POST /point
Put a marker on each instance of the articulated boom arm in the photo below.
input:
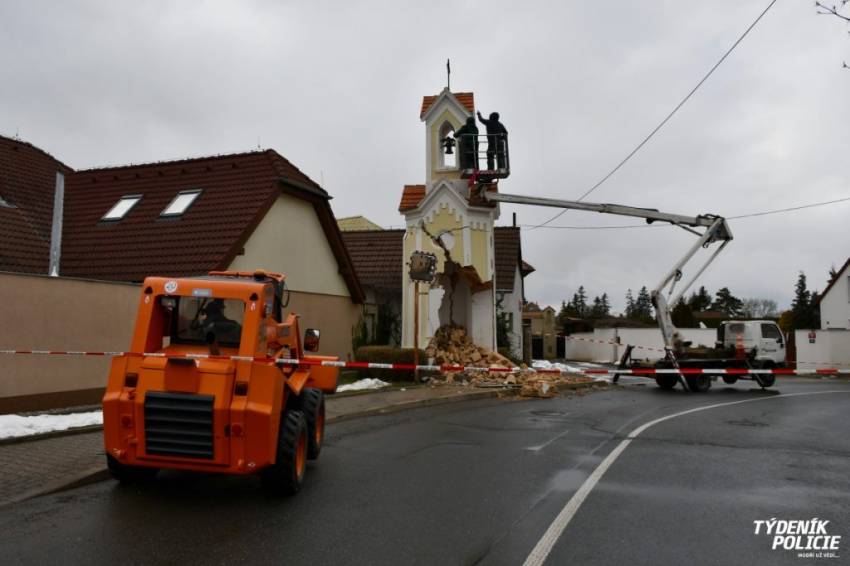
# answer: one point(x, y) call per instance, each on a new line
point(715, 230)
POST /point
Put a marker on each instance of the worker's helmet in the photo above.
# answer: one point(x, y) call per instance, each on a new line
point(494, 115)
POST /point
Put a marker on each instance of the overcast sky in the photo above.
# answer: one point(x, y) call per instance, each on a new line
point(336, 88)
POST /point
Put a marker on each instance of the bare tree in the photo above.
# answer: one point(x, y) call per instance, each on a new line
point(760, 308)
point(836, 11)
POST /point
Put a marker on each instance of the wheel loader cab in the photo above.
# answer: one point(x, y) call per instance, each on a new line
point(180, 400)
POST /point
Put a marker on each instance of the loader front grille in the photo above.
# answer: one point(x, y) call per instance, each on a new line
point(179, 424)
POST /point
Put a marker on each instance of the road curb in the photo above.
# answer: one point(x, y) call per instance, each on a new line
point(52, 434)
point(101, 473)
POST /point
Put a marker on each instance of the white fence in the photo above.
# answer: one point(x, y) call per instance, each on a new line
point(579, 347)
point(822, 348)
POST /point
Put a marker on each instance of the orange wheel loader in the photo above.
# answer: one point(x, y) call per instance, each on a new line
point(164, 409)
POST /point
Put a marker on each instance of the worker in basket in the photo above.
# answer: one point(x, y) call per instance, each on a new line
point(497, 136)
point(467, 144)
point(217, 327)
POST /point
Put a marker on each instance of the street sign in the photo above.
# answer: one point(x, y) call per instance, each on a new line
point(423, 266)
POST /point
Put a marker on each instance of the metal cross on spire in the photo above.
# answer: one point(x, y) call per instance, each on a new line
point(448, 74)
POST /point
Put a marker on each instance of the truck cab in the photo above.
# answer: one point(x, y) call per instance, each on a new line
point(204, 387)
point(762, 340)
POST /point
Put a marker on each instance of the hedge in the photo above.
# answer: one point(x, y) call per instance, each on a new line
point(387, 355)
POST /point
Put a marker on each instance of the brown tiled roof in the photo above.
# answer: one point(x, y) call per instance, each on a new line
point(237, 192)
point(527, 268)
point(837, 277)
point(411, 196)
point(377, 257)
point(467, 99)
point(28, 183)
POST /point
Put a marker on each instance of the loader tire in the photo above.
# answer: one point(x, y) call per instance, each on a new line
point(286, 475)
point(313, 407)
point(129, 474)
point(666, 381)
point(698, 383)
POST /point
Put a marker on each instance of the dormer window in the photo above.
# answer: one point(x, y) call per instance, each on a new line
point(5, 204)
point(122, 207)
point(181, 203)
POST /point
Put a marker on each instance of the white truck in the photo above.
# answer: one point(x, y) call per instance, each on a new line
point(740, 345)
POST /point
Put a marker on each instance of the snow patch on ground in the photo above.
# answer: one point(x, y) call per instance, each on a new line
point(14, 426)
point(363, 385)
point(545, 364)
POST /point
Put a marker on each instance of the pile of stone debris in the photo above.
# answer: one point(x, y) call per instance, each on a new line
point(452, 345)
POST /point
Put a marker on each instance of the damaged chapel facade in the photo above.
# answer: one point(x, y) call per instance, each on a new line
point(445, 217)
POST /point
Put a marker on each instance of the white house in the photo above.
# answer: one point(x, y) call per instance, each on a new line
point(835, 301)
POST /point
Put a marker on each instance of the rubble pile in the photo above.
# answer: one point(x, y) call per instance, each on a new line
point(452, 345)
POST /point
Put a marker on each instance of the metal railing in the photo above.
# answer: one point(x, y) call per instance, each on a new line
point(485, 153)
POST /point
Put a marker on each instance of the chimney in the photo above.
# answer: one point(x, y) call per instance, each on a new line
point(56, 230)
point(514, 219)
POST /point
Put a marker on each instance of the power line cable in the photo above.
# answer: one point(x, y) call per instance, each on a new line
point(656, 225)
point(667, 118)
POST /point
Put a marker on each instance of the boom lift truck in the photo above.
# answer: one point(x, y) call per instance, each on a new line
point(709, 229)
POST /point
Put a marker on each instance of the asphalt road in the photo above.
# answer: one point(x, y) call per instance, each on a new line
point(482, 482)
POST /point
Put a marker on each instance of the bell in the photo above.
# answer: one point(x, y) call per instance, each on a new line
point(449, 143)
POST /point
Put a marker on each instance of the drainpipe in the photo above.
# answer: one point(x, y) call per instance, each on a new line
point(56, 230)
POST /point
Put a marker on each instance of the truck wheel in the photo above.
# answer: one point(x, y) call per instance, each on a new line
point(313, 407)
point(730, 379)
point(666, 381)
point(766, 379)
point(699, 383)
point(286, 475)
point(129, 474)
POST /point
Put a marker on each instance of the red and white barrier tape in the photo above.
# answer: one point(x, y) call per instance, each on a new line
point(444, 368)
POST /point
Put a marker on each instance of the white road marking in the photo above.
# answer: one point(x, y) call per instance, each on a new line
point(553, 533)
point(547, 443)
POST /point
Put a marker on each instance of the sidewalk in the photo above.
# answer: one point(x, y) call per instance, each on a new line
point(37, 467)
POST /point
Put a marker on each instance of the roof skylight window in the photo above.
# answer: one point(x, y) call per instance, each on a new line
point(5, 204)
point(181, 203)
point(122, 207)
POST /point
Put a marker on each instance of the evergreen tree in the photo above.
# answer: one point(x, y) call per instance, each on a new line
point(805, 311)
point(580, 302)
point(643, 306)
point(563, 315)
point(700, 301)
point(833, 273)
point(597, 311)
point(605, 305)
point(682, 315)
point(630, 304)
point(728, 303)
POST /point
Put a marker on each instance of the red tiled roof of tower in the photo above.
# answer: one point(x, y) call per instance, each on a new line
point(467, 99)
point(411, 196)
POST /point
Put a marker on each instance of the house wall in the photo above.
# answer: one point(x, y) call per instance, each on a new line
point(58, 313)
point(290, 240)
point(512, 303)
point(835, 305)
point(830, 349)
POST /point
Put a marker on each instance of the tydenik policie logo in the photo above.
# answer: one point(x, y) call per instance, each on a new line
point(808, 538)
